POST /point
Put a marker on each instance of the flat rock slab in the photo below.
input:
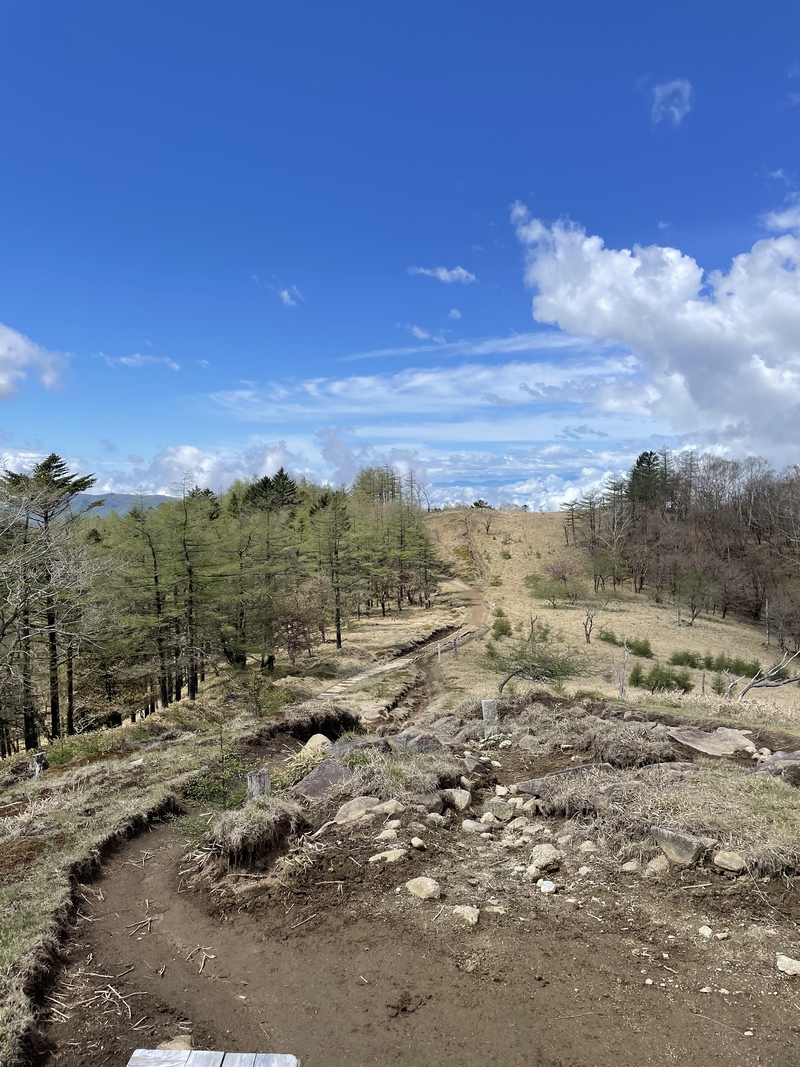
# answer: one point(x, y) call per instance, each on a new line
point(324, 777)
point(424, 888)
point(542, 787)
point(680, 847)
point(720, 742)
point(357, 744)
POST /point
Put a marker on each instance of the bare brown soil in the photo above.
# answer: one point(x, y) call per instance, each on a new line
point(329, 961)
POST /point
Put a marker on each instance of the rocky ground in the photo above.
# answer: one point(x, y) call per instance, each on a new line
point(508, 901)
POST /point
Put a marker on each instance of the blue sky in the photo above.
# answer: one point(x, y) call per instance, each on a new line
point(508, 245)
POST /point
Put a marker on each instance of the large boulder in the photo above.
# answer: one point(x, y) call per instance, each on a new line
point(720, 742)
point(325, 776)
point(541, 787)
point(356, 744)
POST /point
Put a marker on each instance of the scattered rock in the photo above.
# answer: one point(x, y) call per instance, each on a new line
point(394, 855)
point(720, 742)
point(424, 888)
point(476, 766)
point(472, 826)
point(705, 931)
point(631, 867)
point(418, 740)
point(787, 965)
point(355, 809)
point(518, 824)
point(342, 748)
point(782, 764)
point(324, 777)
point(176, 1044)
point(547, 887)
point(584, 871)
point(433, 818)
point(495, 909)
point(500, 791)
point(387, 835)
point(318, 743)
point(418, 844)
point(729, 861)
point(545, 858)
point(469, 914)
point(389, 807)
point(564, 841)
point(431, 802)
point(500, 808)
point(587, 846)
point(658, 866)
point(489, 819)
point(680, 847)
point(458, 799)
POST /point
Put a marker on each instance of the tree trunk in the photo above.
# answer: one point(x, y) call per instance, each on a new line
point(70, 691)
point(52, 669)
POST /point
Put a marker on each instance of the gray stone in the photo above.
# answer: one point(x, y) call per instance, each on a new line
point(547, 887)
point(720, 742)
point(471, 826)
point(394, 855)
point(324, 777)
point(467, 914)
point(387, 835)
point(545, 858)
point(418, 844)
point(458, 799)
point(318, 743)
point(424, 888)
point(433, 818)
point(488, 819)
point(787, 965)
point(418, 740)
point(782, 764)
point(389, 807)
point(657, 866)
point(500, 808)
point(680, 847)
point(529, 743)
point(729, 861)
point(431, 802)
point(630, 867)
point(518, 824)
point(478, 767)
point(356, 744)
point(587, 846)
point(355, 809)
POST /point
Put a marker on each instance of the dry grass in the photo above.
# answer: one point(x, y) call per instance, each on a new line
point(519, 544)
point(754, 814)
point(399, 774)
point(256, 832)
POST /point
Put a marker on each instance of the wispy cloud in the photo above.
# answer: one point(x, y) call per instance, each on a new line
point(424, 335)
point(454, 313)
point(672, 101)
point(140, 360)
point(291, 296)
point(785, 219)
point(457, 274)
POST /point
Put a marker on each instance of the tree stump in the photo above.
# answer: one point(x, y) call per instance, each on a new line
point(258, 784)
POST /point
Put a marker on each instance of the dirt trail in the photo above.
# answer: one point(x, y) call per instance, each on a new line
point(340, 966)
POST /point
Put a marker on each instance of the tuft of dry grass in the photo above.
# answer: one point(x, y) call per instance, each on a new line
point(400, 773)
point(256, 832)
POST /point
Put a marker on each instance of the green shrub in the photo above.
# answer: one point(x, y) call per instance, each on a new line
point(685, 658)
point(661, 678)
point(636, 676)
point(505, 554)
point(640, 647)
point(608, 636)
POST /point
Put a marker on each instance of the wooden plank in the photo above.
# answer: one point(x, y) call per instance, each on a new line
point(154, 1057)
point(239, 1059)
point(205, 1059)
point(276, 1059)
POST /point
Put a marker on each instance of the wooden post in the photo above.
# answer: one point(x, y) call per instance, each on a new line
point(258, 784)
point(489, 708)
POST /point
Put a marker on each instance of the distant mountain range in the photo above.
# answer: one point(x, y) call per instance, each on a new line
point(119, 502)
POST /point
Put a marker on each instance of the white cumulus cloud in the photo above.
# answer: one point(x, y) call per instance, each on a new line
point(722, 347)
point(19, 357)
point(457, 274)
point(672, 101)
